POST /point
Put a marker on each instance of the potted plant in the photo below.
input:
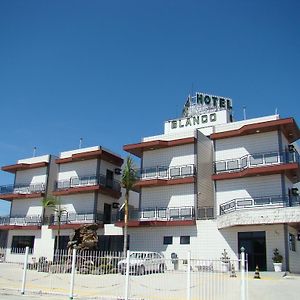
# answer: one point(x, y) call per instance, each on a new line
point(277, 260)
point(225, 261)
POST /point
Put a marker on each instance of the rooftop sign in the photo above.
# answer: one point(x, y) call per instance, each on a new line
point(204, 103)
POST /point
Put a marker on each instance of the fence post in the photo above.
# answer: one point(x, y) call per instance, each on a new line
point(127, 276)
point(24, 270)
point(188, 294)
point(72, 274)
point(243, 285)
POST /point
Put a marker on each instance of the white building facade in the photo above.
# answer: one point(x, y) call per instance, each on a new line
point(209, 184)
point(86, 185)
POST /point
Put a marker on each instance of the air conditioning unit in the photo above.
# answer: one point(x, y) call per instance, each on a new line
point(118, 171)
point(295, 191)
point(291, 148)
point(115, 205)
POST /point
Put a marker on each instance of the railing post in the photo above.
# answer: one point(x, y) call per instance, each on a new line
point(127, 276)
point(243, 285)
point(72, 274)
point(188, 287)
point(25, 270)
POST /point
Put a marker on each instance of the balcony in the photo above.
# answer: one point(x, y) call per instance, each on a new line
point(87, 184)
point(276, 201)
point(266, 163)
point(74, 220)
point(20, 191)
point(167, 216)
point(30, 222)
point(162, 175)
point(260, 211)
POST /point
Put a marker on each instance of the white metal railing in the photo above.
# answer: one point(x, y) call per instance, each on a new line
point(166, 172)
point(22, 188)
point(139, 275)
point(255, 160)
point(255, 202)
point(21, 220)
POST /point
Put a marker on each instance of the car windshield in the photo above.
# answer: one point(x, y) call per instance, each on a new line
point(138, 255)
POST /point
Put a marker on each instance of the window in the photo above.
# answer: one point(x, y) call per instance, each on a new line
point(19, 243)
point(63, 242)
point(185, 239)
point(292, 242)
point(109, 178)
point(168, 240)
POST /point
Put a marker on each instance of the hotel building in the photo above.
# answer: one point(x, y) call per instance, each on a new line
point(86, 184)
point(206, 184)
point(209, 183)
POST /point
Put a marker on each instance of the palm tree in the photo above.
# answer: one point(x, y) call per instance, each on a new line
point(129, 177)
point(55, 205)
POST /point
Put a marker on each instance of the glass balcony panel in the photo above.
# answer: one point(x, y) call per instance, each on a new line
point(209, 212)
point(262, 201)
point(271, 158)
point(186, 213)
point(220, 166)
point(75, 181)
point(148, 213)
point(277, 200)
point(244, 162)
point(150, 172)
point(256, 159)
point(232, 164)
point(174, 172)
point(244, 203)
point(174, 213)
point(187, 171)
point(162, 213)
point(163, 172)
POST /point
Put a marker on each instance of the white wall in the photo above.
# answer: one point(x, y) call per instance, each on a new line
point(26, 207)
point(173, 156)
point(32, 176)
point(237, 147)
point(294, 256)
point(168, 196)
point(79, 203)
point(35, 159)
point(75, 169)
point(248, 187)
point(206, 241)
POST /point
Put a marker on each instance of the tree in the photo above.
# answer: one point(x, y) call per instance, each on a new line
point(129, 177)
point(55, 205)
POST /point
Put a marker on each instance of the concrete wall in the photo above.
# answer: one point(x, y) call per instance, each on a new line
point(206, 241)
point(237, 147)
point(205, 187)
point(32, 176)
point(168, 196)
point(79, 203)
point(75, 169)
point(27, 207)
point(173, 156)
point(247, 187)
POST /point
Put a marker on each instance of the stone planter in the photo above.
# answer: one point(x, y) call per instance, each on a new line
point(277, 267)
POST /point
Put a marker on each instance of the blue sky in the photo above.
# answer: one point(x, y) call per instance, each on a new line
point(112, 72)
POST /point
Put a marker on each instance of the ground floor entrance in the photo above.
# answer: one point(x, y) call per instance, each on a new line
point(255, 246)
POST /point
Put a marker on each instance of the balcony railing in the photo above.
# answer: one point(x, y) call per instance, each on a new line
point(255, 160)
point(88, 180)
point(76, 218)
point(159, 214)
point(205, 213)
point(22, 188)
point(259, 202)
point(163, 172)
point(21, 220)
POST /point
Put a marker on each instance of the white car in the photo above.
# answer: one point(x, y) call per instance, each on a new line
point(142, 262)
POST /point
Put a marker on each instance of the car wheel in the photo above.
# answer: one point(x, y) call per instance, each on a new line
point(161, 268)
point(141, 270)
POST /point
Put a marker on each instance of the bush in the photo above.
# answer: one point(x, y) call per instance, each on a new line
point(277, 257)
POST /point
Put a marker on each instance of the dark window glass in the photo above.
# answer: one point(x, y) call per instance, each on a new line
point(63, 242)
point(185, 239)
point(168, 240)
point(292, 242)
point(109, 178)
point(19, 243)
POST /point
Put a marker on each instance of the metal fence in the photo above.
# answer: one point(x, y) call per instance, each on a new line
point(140, 275)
